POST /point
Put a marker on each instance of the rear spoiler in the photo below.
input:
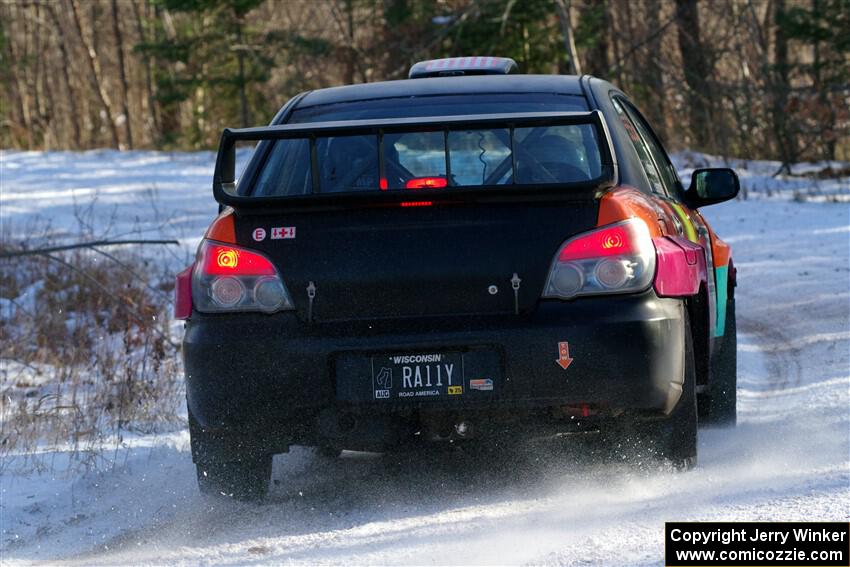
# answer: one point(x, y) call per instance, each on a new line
point(224, 181)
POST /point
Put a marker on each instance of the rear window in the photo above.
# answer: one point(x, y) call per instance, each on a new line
point(417, 160)
point(393, 161)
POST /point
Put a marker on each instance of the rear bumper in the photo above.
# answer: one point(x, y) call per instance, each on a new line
point(258, 372)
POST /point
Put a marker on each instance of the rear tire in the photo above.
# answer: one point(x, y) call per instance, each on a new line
point(722, 396)
point(223, 470)
point(674, 438)
point(247, 479)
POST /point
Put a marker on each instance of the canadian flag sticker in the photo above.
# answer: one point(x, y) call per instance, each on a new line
point(283, 232)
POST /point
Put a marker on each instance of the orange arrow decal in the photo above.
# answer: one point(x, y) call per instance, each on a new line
point(564, 359)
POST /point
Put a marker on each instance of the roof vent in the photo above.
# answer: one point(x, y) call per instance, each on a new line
point(463, 66)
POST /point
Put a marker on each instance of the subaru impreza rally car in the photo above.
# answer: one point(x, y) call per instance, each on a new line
point(465, 254)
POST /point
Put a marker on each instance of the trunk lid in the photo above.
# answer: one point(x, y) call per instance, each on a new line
point(415, 262)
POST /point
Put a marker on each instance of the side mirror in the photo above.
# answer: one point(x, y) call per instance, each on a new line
point(712, 185)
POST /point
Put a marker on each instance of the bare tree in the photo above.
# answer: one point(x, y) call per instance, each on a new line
point(696, 71)
point(651, 65)
point(152, 110)
point(596, 17)
point(761, 78)
point(565, 17)
point(97, 78)
point(781, 89)
point(65, 66)
point(122, 74)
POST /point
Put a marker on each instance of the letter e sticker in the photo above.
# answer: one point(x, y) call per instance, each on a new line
point(259, 234)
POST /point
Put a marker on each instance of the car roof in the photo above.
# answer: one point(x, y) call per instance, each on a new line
point(476, 84)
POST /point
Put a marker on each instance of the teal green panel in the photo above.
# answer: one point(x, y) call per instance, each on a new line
point(721, 280)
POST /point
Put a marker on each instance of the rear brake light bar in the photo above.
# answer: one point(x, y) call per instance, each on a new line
point(426, 183)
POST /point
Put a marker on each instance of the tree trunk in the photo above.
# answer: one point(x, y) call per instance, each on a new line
point(96, 74)
point(829, 134)
point(19, 82)
point(243, 96)
point(46, 81)
point(595, 16)
point(35, 84)
point(152, 109)
point(787, 143)
point(66, 76)
point(122, 75)
point(630, 74)
point(696, 71)
point(349, 52)
point(652, 54)
point(564, 7)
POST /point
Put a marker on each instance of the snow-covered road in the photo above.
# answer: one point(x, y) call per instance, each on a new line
point(789, 457)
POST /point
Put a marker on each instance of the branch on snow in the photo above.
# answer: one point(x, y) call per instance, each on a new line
point(94, 244)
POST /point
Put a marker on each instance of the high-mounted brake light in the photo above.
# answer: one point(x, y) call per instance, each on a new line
point(416, 203)
point(426, 183)
point(231, 278)
point(618, 258)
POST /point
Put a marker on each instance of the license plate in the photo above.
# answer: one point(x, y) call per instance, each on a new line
point(418, 376)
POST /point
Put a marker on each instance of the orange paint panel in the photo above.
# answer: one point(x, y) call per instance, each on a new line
point(222, 228)
point(626, 202)
point(720, 251)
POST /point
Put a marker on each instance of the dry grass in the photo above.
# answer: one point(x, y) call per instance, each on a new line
point(86, 354)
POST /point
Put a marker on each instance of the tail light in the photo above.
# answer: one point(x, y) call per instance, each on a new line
point(230, 278)
point(618, 258)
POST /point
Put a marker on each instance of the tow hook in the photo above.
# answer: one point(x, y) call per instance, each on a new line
point(515, 281)
point(311, 295)
point(463, 429)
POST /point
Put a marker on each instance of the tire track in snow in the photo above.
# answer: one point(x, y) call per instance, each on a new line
point(781, 356)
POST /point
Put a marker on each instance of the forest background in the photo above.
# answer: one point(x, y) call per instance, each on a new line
point(763, 79)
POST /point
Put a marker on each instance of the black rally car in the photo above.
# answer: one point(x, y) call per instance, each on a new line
point(453, 256)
